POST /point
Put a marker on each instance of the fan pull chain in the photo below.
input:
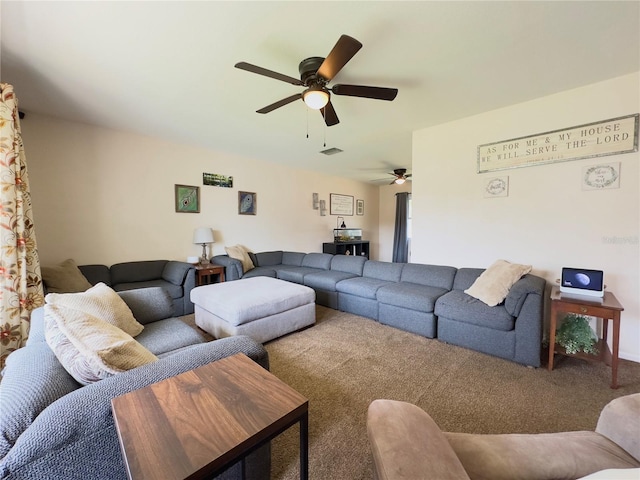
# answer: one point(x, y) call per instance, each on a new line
point(324, 117)
point(307, 112)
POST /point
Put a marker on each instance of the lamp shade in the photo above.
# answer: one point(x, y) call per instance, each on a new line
point(203, 235)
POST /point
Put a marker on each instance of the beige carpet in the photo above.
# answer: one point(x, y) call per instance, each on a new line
point(344, 362)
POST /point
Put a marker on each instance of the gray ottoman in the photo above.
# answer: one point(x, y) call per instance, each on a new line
point(263, 308)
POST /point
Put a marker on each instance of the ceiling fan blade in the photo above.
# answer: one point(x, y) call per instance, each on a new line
point(329, 114)
point(268, 73)
point(377, 93)
point(408, 175)
point(343, 51)
point(280, 103)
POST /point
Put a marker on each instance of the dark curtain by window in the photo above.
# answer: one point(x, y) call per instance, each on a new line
point(400, 239)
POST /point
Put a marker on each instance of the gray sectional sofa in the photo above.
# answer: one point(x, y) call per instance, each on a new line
point(53, 427)
point(177, 278)
point(428, 300)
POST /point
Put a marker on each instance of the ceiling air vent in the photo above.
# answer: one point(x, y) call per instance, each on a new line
point(331, 151)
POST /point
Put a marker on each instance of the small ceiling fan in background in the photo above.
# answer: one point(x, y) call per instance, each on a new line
point(315, 75)
point(401, 176)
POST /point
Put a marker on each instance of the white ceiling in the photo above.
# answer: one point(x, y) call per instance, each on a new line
point(165, 69)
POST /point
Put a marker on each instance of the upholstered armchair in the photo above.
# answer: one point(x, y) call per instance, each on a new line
point(407, 444)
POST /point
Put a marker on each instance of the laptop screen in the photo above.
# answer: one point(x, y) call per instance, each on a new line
point(583, 279)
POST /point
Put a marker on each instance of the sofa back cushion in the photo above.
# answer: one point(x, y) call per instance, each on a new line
point(96, 274)
point(465, 277)
point(317, 260)
point(619, 421)
point(431, 275)
point(382, 270)
point(176, 272)
point(32, 379)
point(137, 271)
point(148, 304)
point(293, 258)
point(267, 259)
point(348, 264)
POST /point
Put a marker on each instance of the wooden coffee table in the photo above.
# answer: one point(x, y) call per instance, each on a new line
point(197, 424)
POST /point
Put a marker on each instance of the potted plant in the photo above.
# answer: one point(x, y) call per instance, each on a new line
point(576, 335)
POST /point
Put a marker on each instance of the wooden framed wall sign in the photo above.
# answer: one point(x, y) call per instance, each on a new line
point(608, 137)
point(340, 204)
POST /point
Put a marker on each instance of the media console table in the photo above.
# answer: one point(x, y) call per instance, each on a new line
point(198, 423)
point(607, 308)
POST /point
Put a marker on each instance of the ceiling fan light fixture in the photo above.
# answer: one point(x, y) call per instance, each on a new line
point(315, 97)
point(400, 180)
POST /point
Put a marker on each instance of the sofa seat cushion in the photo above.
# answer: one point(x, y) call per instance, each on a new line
point(176, 291)
point(296, 274)
point(457, 305)
point(366, 287)
point(326, 280)
point(410, 295)
point(168, 335)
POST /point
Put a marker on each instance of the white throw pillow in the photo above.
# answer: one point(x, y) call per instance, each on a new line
point(240, 252)
point(493, 285)
point(102, 302)
point(91, 349)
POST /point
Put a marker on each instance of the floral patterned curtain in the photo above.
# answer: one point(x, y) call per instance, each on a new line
point(20, 279)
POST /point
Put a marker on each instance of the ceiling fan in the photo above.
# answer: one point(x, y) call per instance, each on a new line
point(315, 75)
point(401, 176)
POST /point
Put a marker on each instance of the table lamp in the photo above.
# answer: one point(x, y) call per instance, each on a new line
point(202, 236)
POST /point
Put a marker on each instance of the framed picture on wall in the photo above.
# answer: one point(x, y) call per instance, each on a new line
point(187, 199)
point(359, 207)
point(247, 203)
point(340, 204)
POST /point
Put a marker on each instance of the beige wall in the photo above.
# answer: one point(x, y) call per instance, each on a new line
point(103, 196)
point(547, 220)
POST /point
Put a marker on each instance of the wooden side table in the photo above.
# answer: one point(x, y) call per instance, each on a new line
point(197, 424)
point(607, 308)
point(205, 274)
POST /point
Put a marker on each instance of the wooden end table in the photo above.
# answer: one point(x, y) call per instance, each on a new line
point(607, 308)
point(197, 424)
point(205, 274)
